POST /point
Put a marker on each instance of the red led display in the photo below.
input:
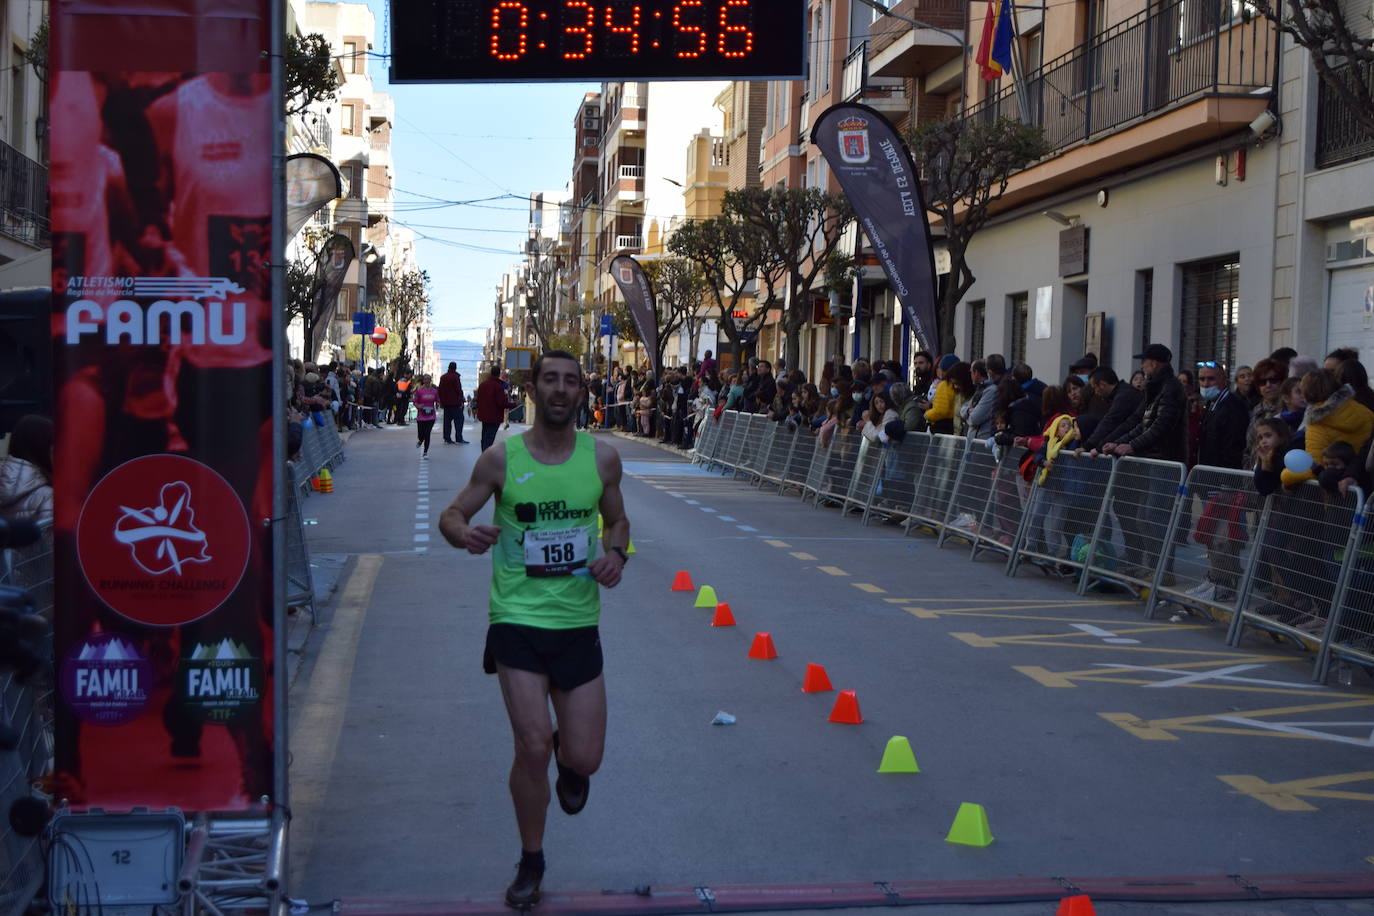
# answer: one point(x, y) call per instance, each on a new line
point(456, 41)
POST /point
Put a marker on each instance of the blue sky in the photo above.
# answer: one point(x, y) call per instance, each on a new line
point(461, 143)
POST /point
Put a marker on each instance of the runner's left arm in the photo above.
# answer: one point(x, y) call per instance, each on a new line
point(607, 568)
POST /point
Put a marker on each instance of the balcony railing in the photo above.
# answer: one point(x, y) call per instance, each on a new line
point(1141, 67)
point(627, 242)
point(631, 171)
point(1340, 138)
point(23, 198)
point(856, 82)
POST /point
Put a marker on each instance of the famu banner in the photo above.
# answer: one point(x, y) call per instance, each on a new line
point(638, 293)
point(873, 166)
point(161, 190)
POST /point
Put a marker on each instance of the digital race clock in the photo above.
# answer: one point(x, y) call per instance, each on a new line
point(454, 41)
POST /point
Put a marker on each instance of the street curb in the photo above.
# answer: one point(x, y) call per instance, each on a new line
point(686, 453)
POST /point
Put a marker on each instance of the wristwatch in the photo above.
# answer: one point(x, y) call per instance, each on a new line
point(624, 557)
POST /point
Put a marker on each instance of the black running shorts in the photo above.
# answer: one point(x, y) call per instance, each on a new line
point(570, 658)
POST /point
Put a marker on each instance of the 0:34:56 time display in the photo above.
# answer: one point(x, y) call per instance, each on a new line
point(583, 30)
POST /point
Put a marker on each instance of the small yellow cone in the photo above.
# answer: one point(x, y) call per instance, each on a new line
point(970, 827)
point(898, 757)
point(706, 598)
point(600, 526)
point(631, 548)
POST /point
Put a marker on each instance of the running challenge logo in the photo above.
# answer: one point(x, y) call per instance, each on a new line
point(163, 540)
point(221, 679)
point(184, 310)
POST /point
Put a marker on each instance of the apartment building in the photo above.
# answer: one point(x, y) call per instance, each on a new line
point(25, 255)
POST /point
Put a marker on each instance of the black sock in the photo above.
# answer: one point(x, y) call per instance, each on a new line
point(533, 860)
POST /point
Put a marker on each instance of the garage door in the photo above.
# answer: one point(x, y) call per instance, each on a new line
point(1350, 310)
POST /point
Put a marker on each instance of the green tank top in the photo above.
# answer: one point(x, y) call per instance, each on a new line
point(547, 516)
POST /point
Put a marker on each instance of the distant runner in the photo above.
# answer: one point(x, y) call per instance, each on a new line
point(543, 642)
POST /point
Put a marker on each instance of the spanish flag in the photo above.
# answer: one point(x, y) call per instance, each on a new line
point(994, 50)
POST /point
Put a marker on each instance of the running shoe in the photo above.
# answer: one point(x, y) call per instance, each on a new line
point(571, 787)
point(524, 892)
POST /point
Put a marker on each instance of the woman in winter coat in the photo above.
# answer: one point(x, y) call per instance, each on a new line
point(1332, 415)
point(26, 475)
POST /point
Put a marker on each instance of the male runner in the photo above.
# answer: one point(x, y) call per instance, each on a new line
point(543, 642)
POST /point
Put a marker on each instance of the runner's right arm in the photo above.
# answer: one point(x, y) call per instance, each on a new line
point(454, 524)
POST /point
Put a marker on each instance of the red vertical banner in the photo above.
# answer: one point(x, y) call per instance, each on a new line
point(162, 189)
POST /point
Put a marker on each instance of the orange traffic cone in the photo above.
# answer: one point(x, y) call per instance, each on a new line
point(763, 646)
point(1080, 905)
point(846, 710)
point(315, 484)
point(723, 616)
point(683, 582)
point(816, 680)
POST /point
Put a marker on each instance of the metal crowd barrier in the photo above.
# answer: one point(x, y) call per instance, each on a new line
point(321, 447)
point(300, 585)
point(1305, 550)
point(27, 708)
point(1297, 566)
point(1064, 509)
point(707, 435)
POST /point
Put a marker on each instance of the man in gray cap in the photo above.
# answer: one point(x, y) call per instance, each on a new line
point(1161, 432)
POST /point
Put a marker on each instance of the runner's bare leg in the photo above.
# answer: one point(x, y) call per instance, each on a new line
point(527, 703)
point(581, 725)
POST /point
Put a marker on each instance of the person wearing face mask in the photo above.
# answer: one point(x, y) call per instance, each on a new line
point(1225, 419)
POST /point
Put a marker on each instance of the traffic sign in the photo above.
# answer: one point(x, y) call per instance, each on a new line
point(364, 322)
point(607, 325)
point(379, 336)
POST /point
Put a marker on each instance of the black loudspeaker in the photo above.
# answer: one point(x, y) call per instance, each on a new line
point(26, 382)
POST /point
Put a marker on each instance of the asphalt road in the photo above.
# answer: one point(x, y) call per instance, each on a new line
point(1099, 744)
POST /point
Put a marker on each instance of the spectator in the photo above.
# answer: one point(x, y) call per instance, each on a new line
point(1272, 438)
point(644, 410)
point(1023, 411)
point(879, 414)
point(1284, 355)
point(1055, 401)
point(1300, 366)
point(944, 406)
point(1333, 415)
point(1352, 372)
point(1161, 433)
point(979, 412)
point(1225, 420)
point(1245, 386)
point(1342, 469)
point(1083, 367)
point(26, 475)
point(491, 406)
point(1138, 380)
point(1338, 356)
point(1188, 379)
point(1124, 404)
point(1292, 405)
point(734, 390)
point(708, 365)
point(766, 387)
point(997, 367)
point(1268, 382)
point(451, 399)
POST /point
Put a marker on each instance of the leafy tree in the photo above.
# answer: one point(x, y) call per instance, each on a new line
point(405, 300)
point(300, 295)
point(1340, 41)
point(542, 282)
point(679, 290)
point(391, 350)
point(965, 165)
point(310, 75)
point(733, 255)
point(803, 228)
point(36, 54)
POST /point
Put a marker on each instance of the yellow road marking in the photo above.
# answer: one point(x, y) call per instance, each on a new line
point(319, 713)
point(1129, 677)
point(803, 556)
point(1164, 729)
point(866, 587)
point(1080, 640)
point(1287, 796)
point(777, 544)
point(832, 570)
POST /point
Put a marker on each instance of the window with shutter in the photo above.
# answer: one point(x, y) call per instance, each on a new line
point(1020, 312)
point(1210, 311)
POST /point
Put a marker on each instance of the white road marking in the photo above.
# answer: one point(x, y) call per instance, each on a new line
point(1218, 674)
point(706, 509)
point(726, 518)
point(421, 538)
point(1301, 729)
point(1105, 635)
point(692, 502)
point(746, 528)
